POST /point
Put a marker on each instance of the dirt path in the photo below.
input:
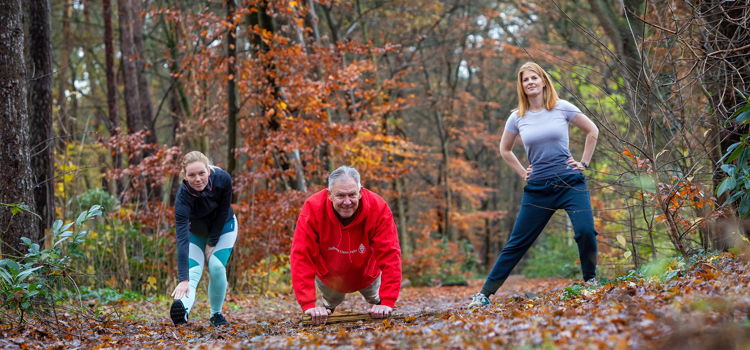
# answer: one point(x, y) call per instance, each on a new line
point(704, 306)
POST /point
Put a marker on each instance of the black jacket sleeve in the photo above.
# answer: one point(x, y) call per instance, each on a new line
point(224, 186)
point(182, 208)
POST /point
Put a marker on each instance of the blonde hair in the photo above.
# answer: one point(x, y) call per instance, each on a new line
point(549, 92)
point(192, 157)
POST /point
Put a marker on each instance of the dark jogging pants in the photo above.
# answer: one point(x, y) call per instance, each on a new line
point(541, 198)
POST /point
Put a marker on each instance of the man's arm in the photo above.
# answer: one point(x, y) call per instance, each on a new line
point(303, 258)
point(384, 243)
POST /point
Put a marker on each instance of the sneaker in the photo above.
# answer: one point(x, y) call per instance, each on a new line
point(178, 313)
point(592, 283)
point(478, 300)
point(218, 320)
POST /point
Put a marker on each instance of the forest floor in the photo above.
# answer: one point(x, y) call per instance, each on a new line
point(703, 305)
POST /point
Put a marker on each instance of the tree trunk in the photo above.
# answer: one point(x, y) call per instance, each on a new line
point(622, 32)
point(231, 87)
point(109, 66)
point(144, 96)
point(17, 188)
point(40, 112)
point(625, 33)
point(62, 76)
point(113, 122)
point(138, 107)
point(401, 206)
point(133, 112)
point(282, 159)
point(178, 101)
point(314, 21)
point(137, 98)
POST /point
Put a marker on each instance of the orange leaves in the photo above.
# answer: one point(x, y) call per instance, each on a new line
point(678, 199)
point(265, 34)
point(638, 162)
point(627, 153)
point(675, 198)
point(270, 113)
point(700, 301)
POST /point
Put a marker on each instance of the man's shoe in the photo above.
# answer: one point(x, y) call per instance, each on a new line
point(218, 320)
point(178, 313)
point(478, 300)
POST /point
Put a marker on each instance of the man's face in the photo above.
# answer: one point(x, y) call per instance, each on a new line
point(345, 197)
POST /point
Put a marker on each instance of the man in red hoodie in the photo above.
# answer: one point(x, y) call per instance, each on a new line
point(345, 241)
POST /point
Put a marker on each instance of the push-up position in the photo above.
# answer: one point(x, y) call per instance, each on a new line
point(345, 241)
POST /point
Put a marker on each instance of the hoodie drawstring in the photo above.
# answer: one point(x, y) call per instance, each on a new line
point(348, 242)
point(349, 247)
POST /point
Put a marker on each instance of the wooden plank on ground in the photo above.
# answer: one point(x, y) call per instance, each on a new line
point(346, 317)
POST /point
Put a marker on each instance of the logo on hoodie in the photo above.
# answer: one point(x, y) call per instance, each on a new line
point(361, 248)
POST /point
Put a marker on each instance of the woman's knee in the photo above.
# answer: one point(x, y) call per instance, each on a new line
point(516, 246)
point(585, 234)
point(215, 268)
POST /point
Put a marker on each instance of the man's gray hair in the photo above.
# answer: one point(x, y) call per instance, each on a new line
point(343, 171)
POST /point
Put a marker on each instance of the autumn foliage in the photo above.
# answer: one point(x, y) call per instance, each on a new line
point(415, 95)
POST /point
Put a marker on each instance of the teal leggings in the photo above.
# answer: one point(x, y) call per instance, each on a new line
point(217, 266)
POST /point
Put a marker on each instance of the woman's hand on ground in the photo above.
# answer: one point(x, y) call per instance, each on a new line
point(182, 290)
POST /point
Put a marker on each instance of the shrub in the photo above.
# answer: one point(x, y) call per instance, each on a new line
point(92, 197)
point(102, 295)
point(33, 283)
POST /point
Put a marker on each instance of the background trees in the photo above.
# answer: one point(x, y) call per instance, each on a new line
point(412, 93)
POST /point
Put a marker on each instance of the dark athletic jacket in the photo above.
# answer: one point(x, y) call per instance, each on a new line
point(201, 213)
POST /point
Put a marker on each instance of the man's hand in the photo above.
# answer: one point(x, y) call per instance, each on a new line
point(209, 250)
point(319, 314)
point(182, 290)
point(380, 311)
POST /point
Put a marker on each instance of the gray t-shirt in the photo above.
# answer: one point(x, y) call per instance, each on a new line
point(545, 137)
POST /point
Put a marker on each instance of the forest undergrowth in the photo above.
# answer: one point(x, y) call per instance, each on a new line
point(672, 304)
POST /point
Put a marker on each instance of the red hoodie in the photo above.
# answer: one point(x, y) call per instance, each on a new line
point(346, 258)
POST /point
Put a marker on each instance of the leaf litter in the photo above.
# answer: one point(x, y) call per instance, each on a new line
point(705, 306)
